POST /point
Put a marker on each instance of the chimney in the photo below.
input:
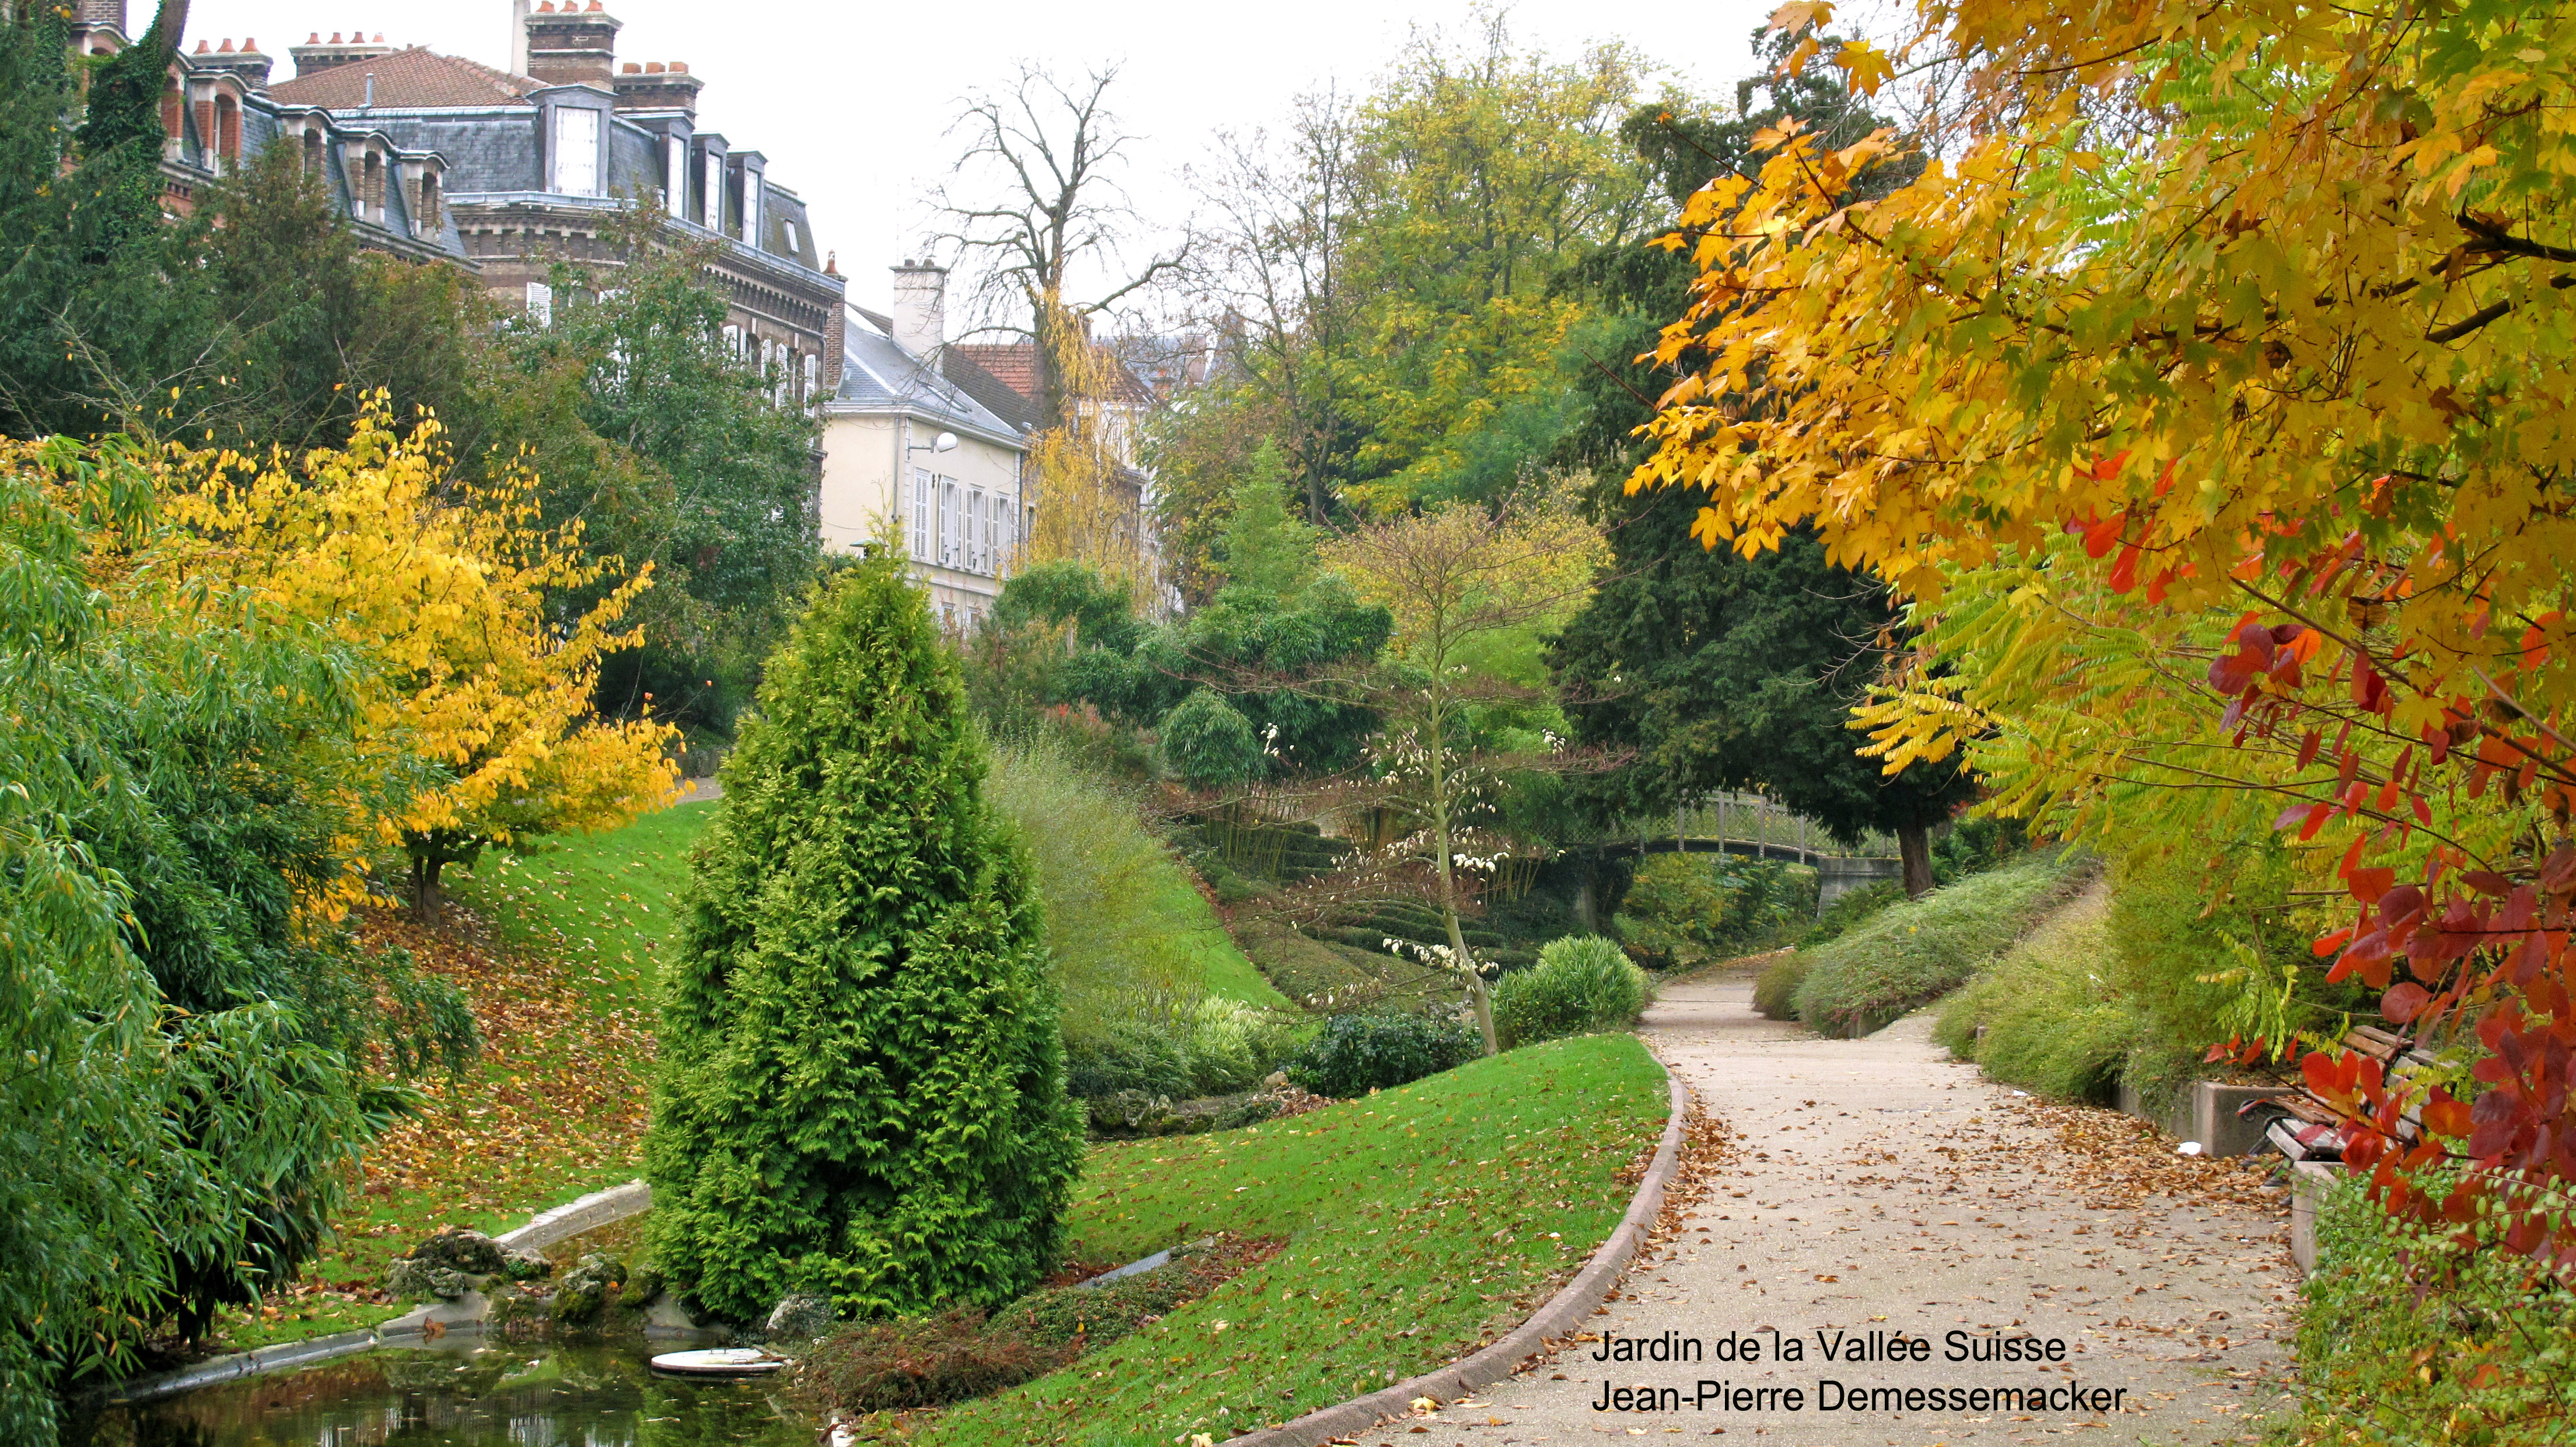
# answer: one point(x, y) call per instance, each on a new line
point(519, 36)
point(654, 86)
point(246, 62)
point(316, 55)
point(920, 307)
point(572, 45)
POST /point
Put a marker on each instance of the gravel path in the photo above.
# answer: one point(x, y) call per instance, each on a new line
point(1877, 1186)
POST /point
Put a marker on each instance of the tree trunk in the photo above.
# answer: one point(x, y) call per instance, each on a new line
point(424, 890)
point(1458, 956)
point(1914, 844)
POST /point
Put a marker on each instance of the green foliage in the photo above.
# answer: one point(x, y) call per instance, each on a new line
point(720, 497)
point(1266, 549)
point(1480, 175)
point(1236, 643)
point(1917, 952)
point(2239, 968)
point(1155, 997)
point(2407, 1336)
point(1579, 985)
point(1775, 990)
point(1408, 1218)
point(1209, 1047)
point(1699, 906)
point(861, 1084)
point(1848, 910)
point(1063, 590)
point(1723, 672)
point(86, 295)
point(1208, 742)
point(191, 1031)
point(2054, 1021)
point(1355, 1054)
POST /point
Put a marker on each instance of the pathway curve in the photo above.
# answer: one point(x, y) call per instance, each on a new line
point(1877, 1185)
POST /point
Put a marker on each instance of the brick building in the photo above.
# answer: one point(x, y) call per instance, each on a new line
point(504, 172)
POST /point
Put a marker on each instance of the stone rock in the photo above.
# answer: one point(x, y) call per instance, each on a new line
point(585, 1291)
point(469, 1252)
point(521, 1264)
point(799, 1317)
point(643, 1285)
point(1275, 1080)
point(420, 1280)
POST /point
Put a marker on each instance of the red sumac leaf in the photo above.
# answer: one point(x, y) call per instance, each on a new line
point(2404, 1002)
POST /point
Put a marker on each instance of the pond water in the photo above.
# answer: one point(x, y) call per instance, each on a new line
point(468, 1394)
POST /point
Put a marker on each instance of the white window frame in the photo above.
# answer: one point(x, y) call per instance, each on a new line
point(1006, 517)
point(975, 538)
point(675, 175)
point(541, 304)
point(576, 151)
point(921, 510)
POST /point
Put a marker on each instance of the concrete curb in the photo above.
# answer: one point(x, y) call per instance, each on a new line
point(547, 1227)
point(1562, 1316)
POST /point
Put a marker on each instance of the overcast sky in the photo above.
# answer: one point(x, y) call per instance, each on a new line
point(849, 101)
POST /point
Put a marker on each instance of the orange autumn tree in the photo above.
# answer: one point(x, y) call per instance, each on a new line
point(445, 588)
point(2211, 389)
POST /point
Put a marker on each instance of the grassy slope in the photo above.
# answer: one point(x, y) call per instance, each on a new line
point(604, 904)
point(1230, 974)
point(1418, 1221)
point(1910, 954)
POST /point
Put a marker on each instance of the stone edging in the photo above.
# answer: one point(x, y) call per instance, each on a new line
point(1563, 1314)
point(584, 1213)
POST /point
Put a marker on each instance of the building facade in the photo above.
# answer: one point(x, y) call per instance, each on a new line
point(926, 453)
point(507, 172)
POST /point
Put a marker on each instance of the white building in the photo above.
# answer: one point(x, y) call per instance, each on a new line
point(923, 449)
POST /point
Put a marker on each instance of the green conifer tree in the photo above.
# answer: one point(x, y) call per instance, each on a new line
point(861, 1086)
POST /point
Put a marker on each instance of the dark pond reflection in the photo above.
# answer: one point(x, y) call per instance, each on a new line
point(465, 1395)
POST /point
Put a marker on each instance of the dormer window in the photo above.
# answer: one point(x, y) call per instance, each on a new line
point(312, 153)
point(576, 152)
point(425, 217)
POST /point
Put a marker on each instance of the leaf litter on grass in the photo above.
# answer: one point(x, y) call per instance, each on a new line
point(554, 1107)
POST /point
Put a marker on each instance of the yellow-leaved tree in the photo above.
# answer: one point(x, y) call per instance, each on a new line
point(445, 588)
point(2209, 390)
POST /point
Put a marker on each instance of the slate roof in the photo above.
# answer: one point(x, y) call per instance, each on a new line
point(415, 76)
point(876, 373)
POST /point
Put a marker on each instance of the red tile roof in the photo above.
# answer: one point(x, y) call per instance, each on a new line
point(1015, 364)
point(416, 76)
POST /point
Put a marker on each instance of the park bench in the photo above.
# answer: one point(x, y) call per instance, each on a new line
point(2303, 1127)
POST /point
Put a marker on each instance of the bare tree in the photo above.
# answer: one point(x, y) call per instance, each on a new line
point(1273, 212)
point(1038, 203)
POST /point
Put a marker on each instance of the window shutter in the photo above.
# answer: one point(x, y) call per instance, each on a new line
point(920, 515)
point(541, 304)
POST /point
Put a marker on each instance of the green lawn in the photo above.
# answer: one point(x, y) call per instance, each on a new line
point(1230, 975)
point(1418, 1223)
point(603, 904)
point(606, 904)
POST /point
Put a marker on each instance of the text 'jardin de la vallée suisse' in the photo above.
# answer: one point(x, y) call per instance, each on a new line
point(2005, 1392)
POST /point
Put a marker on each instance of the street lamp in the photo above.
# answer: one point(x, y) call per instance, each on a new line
point(944, 442)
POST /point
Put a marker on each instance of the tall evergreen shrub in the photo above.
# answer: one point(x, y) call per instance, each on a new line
point(861, 1086)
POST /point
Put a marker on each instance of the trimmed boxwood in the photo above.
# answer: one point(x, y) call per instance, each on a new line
point(1355, 1054)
